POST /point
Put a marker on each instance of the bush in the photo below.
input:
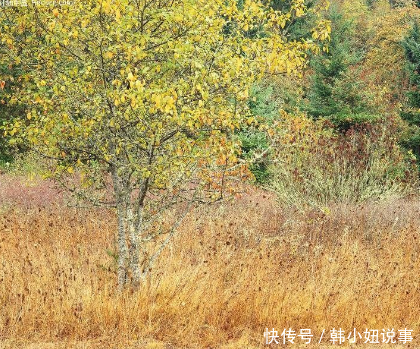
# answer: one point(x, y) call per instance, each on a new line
point(316, 166)
point(28, 164)
point(344, 122)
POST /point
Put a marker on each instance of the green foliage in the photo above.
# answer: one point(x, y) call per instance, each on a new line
point(411, 45)
point(343, 121)
point(411, 113)
point(336, 90)
point(27, 164)
point(263, 106)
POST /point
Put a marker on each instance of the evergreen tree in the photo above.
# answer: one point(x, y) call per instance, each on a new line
point(335, 91)
point(411, 113)
point(262, 104)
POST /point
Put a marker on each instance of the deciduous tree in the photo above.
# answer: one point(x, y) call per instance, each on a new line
point(144, 96)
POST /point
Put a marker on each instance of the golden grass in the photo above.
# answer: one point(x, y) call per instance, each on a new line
point(232, 271)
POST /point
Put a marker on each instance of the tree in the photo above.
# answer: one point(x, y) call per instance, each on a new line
point(382, 68)
point(300, 24)
point(263, 107)
point(279, 92)
point(411, 113)
point(143, 97)
point(335, 90)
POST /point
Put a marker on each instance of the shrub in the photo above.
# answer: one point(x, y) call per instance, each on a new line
point(317, 166)
point(344, 121)
point(27, 164)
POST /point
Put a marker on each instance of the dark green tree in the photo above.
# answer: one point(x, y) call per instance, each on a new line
point(411, 112)
point(336, 90)
point(264, 106)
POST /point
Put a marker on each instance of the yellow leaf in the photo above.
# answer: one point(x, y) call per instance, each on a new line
point(139, 85)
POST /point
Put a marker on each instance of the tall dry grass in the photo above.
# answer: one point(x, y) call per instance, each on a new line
point(232, 271)
point(313, 166)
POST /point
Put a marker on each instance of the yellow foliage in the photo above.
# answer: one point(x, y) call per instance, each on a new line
point(150, 89)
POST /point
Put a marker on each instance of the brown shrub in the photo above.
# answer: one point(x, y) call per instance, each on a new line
point(315, 166)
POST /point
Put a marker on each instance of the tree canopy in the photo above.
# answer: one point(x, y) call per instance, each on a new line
point(148, 93)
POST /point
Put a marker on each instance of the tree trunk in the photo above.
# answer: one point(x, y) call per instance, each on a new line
point(121, 203)
point(122, 248)
point(134, 245)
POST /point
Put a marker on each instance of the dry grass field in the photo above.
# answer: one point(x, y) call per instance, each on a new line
point(233, 270)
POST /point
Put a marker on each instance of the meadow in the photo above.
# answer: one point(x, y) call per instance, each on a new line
point(290, 128)
point(233, 270)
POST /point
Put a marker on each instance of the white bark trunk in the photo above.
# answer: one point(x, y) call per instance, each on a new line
point(122, 249)
point(122, 230)
point(134, 246)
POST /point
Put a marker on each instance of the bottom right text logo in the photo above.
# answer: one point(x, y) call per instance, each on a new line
point(338, 336)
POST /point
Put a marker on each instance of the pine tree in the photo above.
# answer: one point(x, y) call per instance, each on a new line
point(262, 104)
point(411, 113)
point(335, 91)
